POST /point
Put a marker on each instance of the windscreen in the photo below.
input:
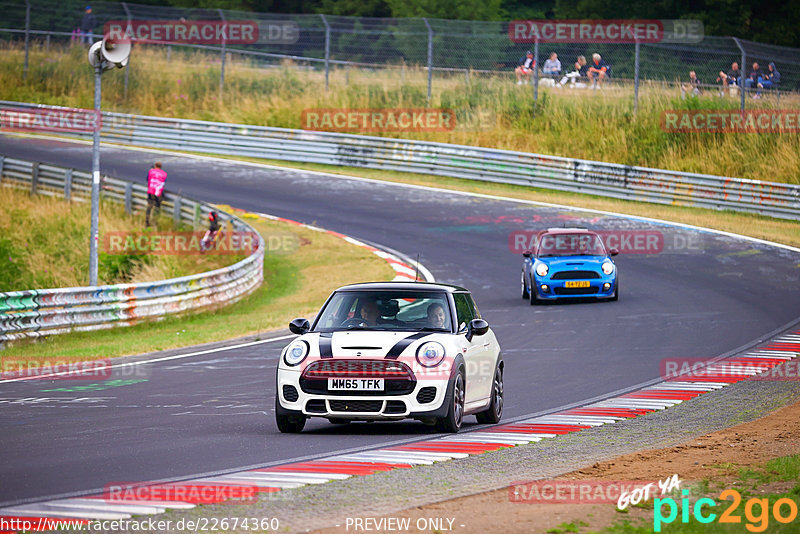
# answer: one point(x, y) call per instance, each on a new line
point(385, 310)
point(570, 245)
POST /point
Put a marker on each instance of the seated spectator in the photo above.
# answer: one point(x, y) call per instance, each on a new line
point(730, 79)
point(692, 87)
point(581, 68)
point(552, 67)
point(752, 79)
point(525, 69)
point(597, 70)
point(770, 80)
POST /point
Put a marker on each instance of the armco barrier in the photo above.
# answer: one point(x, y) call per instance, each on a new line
point(40, 312)
point(459, 161)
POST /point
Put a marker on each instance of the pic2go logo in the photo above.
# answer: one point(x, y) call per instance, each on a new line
point(758, 521)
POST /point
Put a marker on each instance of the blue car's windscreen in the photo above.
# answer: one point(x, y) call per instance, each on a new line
point(385, 310)
point(583, 244)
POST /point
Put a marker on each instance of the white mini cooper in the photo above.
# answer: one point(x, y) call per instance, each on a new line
point(391, 351)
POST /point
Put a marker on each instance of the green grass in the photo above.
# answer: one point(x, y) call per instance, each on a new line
point(492, 111)
point(294, 285)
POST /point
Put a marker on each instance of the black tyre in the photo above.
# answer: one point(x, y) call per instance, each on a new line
point(451, 423)
point(288, 423)
point(534, 301)
point(525, 294)
point(494, 412)
point(616, 292)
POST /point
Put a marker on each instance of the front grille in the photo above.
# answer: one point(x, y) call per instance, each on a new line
point(575, 275)
point(575, 290)
point(290, 393)
point(426, 395)
point(316, 406)
point(356, 406)
point(395, 407)
point(398, 379)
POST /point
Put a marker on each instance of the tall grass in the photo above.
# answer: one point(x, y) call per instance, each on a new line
point(44, 243)
point(492, 110)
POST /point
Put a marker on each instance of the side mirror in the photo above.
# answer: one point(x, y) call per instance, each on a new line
point(300, 326)
point(527, 254)
point(476, 327)
point(613, 252)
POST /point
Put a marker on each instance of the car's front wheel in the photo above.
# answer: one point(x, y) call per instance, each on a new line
point(288, 423)
point(494, 412)
point(451, 422)
point(525, 294)
point(616, 291)
point(534, 301)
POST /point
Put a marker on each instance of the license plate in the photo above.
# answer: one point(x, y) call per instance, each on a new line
point(355, 384)
point(580, 283)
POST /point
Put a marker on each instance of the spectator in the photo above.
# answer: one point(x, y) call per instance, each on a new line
point(597, 70)
point(211, 233)
point(770, 79)
point(581, 69)
point(754, 76)
point(156, 178)
point(525, 69)
point(731, 79)
point(88, 22)
point(552, 67)
point(693, 85)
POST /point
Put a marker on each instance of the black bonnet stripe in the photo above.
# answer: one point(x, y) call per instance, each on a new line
point(401, 345)
point(325, 350)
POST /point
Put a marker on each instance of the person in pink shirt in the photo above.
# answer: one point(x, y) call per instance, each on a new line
point(156, 178)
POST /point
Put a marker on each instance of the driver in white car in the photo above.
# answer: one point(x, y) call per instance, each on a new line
point(370, 312)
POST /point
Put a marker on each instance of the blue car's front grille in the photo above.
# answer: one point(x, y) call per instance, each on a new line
point(575, 290)
point(575, 275)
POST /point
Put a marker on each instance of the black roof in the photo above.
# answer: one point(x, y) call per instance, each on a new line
point(402, 286)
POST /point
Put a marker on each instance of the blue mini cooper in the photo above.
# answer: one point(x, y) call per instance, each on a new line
point(569, 263)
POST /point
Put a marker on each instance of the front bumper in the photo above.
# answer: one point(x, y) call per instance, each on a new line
point(557, 289)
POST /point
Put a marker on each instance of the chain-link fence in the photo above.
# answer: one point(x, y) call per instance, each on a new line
point(430, 53)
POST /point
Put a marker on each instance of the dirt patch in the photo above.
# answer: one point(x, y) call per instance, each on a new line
point(715, 458)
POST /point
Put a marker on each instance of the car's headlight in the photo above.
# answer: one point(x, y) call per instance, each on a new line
point(296, 353)
point(607, 267)
point(430, 354)
point(542, 269)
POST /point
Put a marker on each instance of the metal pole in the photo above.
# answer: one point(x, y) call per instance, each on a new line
point(222, 70)
point(536, 69)
point(27, 37)
point(741, 76)
point(636, 79)
point(130, 32)
point(98, 71)
point(430, 58)
point(327, 49)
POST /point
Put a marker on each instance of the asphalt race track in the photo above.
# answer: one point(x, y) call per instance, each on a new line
point(699, 295)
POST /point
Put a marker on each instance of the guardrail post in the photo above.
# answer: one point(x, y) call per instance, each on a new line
point(129, 198)
point(176, 211)
point(27, 37)
point(222, 69)
point(430, 58)
point(34, 178)
point(743, 70)
point(68, 185)
point(327, 49)
point(636, 79)
point(2, 161)
point(466, 76)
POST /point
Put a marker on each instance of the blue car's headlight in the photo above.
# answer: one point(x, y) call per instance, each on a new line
point(296, 353)
point(430, 354)
point(607, 267)
point(542, 269)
